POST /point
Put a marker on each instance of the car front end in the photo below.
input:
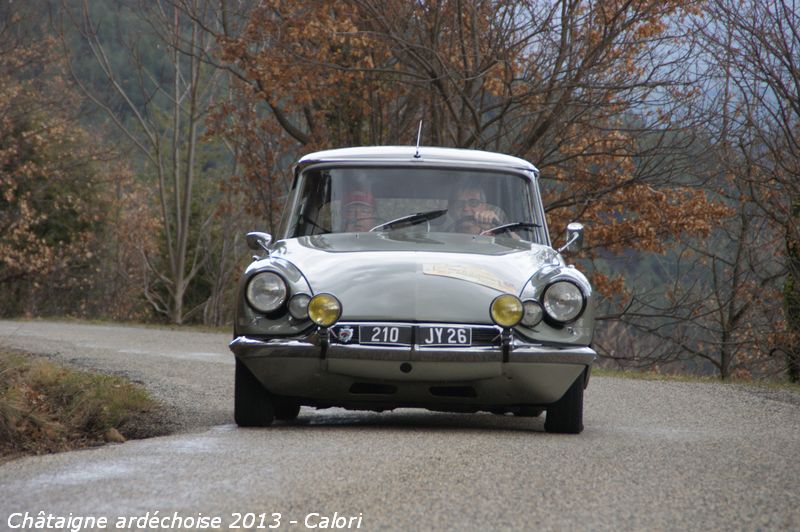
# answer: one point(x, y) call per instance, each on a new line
point(412, 315)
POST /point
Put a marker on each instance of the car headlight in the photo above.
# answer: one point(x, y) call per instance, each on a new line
point(298, 306)
point(266, 292)
point(324, 309)
point(532, 313)
point(506, 310)
point(563, 301)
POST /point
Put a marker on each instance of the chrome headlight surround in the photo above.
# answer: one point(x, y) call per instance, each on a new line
point(266, 292)
point(563, 302)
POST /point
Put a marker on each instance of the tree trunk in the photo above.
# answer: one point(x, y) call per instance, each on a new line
point(791, 293)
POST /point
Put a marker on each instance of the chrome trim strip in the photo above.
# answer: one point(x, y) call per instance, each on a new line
point(416, 324)
point(526, 354)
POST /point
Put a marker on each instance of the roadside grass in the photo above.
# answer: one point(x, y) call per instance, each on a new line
point(45, 407)
point(770, 384)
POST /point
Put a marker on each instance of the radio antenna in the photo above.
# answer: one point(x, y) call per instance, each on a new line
point(419, 136)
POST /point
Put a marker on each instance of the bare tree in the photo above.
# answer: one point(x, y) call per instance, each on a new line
point(598, 95)
point(759, 46)
point(162, 114)
point(719, 305)
point(594, 94)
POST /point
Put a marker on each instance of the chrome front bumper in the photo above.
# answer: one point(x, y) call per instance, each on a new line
point(307, 368)
point(246, 348)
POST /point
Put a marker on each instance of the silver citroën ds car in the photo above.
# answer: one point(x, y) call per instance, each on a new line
point(408, 277)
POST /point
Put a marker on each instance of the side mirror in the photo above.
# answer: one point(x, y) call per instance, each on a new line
point(574, 238)
point(259, 241)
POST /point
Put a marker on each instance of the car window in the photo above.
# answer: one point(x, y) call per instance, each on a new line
point(357, 199)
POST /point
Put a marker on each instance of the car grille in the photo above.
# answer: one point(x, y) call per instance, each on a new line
point(485, 336)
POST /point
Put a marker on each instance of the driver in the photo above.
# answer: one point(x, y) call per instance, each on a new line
point(470, 211)
point(359, 212)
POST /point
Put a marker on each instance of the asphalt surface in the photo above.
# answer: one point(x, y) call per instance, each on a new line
point(653, 456)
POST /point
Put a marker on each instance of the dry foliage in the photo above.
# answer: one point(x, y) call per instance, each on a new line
point(47, 408)
point(72, 222)
point(46, 208)
point(755, 103)
point(619, 103)
point(588, 91)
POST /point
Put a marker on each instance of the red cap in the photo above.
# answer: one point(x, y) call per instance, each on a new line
point(359, 196)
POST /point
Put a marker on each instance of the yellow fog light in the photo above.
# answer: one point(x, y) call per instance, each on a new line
point(324, 310)
point(506, 310)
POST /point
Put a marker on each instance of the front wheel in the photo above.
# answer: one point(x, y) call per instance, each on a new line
point(565, 416)
point(285, 409)
point(252, 405)
point(528, 411)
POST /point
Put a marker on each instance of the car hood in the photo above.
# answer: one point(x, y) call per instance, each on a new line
point(427, 277)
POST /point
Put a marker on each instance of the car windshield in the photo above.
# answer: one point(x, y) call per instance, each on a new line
point(363, 199)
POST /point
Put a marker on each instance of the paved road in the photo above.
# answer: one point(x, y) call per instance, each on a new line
point(654, 455)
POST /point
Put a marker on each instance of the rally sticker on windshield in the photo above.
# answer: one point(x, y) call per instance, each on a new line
point(471, 274)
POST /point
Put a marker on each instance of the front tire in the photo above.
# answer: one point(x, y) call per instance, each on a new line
point(528, 411)
point(565, 416)
point(252, 405)
point(285, 409)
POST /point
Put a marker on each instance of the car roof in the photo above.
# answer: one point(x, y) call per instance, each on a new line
point(410, 154)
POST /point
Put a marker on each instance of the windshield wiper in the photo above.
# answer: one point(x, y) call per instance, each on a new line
point(509, 227)
point(410, 219)
point(315, 224)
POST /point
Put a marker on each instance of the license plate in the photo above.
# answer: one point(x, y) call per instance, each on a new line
point(385, 335)
point(443, 336)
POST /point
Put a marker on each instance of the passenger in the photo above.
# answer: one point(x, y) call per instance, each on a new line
point(470, 212)
point(359, 212)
